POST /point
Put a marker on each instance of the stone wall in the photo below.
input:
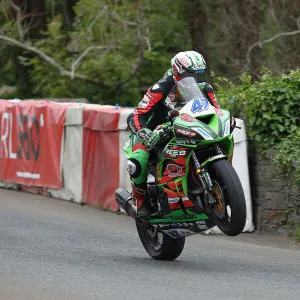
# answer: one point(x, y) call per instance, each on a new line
point(273, 197)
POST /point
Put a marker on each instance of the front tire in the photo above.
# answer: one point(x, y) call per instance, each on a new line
point(158, 245)
point(230, 210)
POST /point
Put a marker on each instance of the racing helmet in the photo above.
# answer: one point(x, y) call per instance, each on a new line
point(188, 64)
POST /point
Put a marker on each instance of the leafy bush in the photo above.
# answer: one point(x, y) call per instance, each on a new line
point(232, 95)
point(288, 156)
point(271, 108)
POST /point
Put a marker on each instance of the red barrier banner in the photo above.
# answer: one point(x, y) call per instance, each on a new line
point(100, 157)
point(31, 135)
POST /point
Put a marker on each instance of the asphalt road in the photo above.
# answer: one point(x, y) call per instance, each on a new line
point(52, 249)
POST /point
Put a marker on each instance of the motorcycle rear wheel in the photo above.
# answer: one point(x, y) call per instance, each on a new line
point(158, 245)
point(228, 192)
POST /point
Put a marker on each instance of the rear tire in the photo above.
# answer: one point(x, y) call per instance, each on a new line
point(158, 245)
point(228, 185)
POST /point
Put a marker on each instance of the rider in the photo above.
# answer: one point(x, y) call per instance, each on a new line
point(152, 111)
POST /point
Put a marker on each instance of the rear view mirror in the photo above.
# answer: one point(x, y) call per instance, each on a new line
point(173, 114)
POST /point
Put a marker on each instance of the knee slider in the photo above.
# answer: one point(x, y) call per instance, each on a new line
point(134, 168)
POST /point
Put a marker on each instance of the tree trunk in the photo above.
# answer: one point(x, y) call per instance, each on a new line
point(249, 10)
point(38, 11)
point(69, 11)
point(242, 21)
point(197, 27)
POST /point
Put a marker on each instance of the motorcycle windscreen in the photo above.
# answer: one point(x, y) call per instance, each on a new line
point(183, 92)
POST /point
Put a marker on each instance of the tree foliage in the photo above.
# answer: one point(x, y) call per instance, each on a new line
point(271, 107)
point(111, 51)
point(117, 47)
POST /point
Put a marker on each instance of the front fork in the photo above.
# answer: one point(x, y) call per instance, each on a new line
point(202, 174)
point(204, 179)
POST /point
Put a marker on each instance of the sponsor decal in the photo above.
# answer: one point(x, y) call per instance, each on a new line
point(173, 200)
point(186, 118)
point(227, 129)
point(174, 170)
point(185, 132)
point(186, 142)
point(204, 133)
point(200, 104)
point(219, 112)
point(201, 224)
point(149, 96)
point(175, 152)
point(30, 144)
point(131, 126)
point(142, 133)
point(199, 66)
point(169, 103)
point(186, 224)
point(171, 96)
point(144, 103)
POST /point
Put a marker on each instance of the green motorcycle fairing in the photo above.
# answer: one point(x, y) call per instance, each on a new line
point(195, 130)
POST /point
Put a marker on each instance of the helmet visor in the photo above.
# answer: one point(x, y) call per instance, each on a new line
point(199, 75)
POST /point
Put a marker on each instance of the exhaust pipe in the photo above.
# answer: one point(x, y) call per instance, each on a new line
point(124, 199)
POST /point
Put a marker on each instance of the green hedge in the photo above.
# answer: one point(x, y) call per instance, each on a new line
point(271, 108)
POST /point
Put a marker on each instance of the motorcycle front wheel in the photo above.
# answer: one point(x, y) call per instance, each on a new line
point(158, 245)
point(230, 208)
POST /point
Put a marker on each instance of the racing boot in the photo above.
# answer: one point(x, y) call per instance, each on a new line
point(142, 203)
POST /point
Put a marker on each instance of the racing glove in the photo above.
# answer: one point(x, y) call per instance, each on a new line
point(153, 138)
point(148, 137)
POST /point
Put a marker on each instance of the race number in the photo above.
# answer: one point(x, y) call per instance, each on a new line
point(199, 105)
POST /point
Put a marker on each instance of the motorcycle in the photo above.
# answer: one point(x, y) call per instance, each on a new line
point(191, 184)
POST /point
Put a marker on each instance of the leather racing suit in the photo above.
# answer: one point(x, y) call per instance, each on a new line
point(150, 113)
